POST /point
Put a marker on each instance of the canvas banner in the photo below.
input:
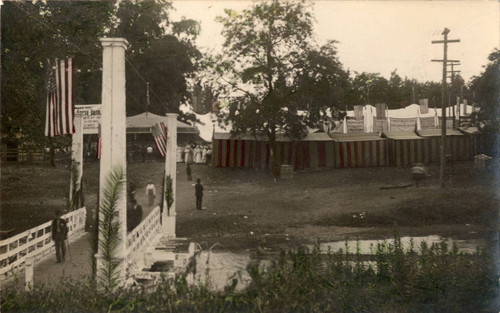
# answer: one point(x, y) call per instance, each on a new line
point(354, 126)
point(403, 124)
point(427, 122)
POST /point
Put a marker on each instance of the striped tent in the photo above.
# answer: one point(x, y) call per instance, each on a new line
point(360, 150)
point(314, 151)
point(406, 148)
point(458, 145)
point(473, 133)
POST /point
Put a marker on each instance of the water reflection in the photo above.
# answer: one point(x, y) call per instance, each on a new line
point(369, 246)
point(220, 268)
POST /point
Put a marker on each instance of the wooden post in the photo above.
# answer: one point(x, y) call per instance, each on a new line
point(76, 158)
point(168, 218)
point(29, 265)
point(113, 135)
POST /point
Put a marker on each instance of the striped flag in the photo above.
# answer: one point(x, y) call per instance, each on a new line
point(60, 106)
point(160, 137)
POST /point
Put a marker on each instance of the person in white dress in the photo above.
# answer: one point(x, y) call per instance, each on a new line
point(187, 153)
point(197, 155)
point(179, 154)
point(204, 155)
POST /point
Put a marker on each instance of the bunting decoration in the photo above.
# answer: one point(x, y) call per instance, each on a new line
point(160, 137)
point(60, 107)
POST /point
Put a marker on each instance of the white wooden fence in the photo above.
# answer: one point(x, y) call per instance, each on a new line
point(140, 237)
point(36, 243)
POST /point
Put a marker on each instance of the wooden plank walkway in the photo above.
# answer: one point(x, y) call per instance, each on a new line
point(48, 272)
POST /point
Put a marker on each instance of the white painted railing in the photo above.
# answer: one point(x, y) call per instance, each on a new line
point(140, 237)
point(36, 243)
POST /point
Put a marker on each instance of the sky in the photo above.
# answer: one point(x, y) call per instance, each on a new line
point(383, 36)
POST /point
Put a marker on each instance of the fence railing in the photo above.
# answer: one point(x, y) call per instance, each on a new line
point(140, 237)
point(36, 243)
point(31, 155)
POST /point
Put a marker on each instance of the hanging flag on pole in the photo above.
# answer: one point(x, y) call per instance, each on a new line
point(380, 111)
point(358, 112)
point(424, 106)
point(60, 106)
point(160, 137)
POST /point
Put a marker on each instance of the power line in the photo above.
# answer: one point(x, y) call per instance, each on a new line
point(445, 61)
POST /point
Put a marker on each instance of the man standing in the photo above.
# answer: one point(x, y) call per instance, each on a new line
point(59, 234)
point(198, 192)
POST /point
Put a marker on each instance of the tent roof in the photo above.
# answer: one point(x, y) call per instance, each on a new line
point(309, 137)
point(401, 135)
point(437, 132)
point(143, 122)
point(340, 137)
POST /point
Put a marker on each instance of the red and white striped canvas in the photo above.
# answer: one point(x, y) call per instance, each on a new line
point(160, 137)
point(60, 106)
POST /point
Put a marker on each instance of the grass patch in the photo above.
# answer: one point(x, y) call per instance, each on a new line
point(432, 209)
point(437, 279)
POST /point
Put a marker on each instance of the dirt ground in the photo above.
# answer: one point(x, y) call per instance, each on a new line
point(245, 210)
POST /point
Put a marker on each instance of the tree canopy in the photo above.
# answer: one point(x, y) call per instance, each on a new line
point(280, 79)
point(33, 35)
point(486, 92)
point(161, 52)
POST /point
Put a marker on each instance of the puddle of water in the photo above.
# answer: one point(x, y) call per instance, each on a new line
point(223, 267)
point(370, 246)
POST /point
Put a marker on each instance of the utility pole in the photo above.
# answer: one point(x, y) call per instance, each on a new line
point(452, 94)
point(445, 61)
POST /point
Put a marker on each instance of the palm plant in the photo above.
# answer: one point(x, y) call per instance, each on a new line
point(109, 227)
point(169, 194)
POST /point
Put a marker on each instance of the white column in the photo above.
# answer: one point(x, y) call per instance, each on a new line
point(113, 134)
point(76, 155)
point(168, 218)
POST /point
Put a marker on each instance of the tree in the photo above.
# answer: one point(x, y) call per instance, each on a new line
point(33, 35)
point(486, 89)
point(161, 52)
point(280, 81)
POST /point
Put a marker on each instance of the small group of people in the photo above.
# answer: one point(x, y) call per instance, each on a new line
point(199, 154)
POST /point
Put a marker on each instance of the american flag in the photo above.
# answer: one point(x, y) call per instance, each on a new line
point(160, 137)
point(60, 107)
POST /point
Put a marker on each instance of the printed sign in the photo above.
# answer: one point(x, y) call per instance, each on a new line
point(403, 124)
point(354, 126)
point(427, 122)
point(91, 117)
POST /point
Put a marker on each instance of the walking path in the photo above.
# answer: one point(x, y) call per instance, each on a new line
point(47, 271)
